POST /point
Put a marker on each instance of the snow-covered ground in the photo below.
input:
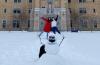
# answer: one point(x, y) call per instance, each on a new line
point(21, 48)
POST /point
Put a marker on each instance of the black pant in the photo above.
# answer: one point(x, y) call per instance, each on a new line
point(55, 29)
point(42, 50)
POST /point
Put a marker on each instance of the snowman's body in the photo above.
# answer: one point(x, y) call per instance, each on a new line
point(51, 57)
point(52, 48)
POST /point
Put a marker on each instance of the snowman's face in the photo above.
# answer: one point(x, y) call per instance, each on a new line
point(51, 39)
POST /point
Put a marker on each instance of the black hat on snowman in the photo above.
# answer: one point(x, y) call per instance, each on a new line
point(51, 37)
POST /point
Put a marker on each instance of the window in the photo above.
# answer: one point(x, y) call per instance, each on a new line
point(82, 10)
point(93, 0)
point(69, 1)
point(70, 10)
point(15, 23)
point(17, 1)
point(16, 11)
point(5, 10)
point(5, 0)
point(43, 6)
point(28, 23)
point(83, 23)
point(4, 23)
point(29, 11)
point(71, 24)
point(50, 1)
point(30, 1)
point(94, 11)
point(82, 1)
point(95, 23)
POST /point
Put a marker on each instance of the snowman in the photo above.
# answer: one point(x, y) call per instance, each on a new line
point(49, 51)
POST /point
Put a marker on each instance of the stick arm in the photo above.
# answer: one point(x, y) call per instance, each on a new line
point(40, 37)
point(62, 41)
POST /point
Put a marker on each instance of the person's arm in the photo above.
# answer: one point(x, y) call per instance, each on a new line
point(44, 18)
point(56, 18)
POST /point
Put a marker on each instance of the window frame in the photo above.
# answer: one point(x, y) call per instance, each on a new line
point(16, 23)
point(5, 10)
point(30, 1)
point(17, 11)
point(69, 1)
point(4, 25)
point(82, 10)
point(5, 1)
point(82, 1)
point(17, 1)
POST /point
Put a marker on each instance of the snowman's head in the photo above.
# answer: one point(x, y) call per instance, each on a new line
point(51, 37)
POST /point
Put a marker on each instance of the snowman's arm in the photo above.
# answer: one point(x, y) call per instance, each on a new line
point(61, 41)
point(40, 37)
point(40, 34)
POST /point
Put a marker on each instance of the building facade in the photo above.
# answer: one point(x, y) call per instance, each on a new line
point(18, 15)
point(15, 14)
point(85, 14)
point(26, 14)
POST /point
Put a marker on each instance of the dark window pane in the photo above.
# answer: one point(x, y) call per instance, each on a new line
point(70, 10)
point(15, 23)
point(28, 23)
point(94, 10)
point(83, 23)
point(50, 1)
point(15, 1)
point(95, 23)
point(19, 1)
point(29, 11)
point(69, 1)
point(5, 0)
point(93, 0)
point(18, 11)
point(4, 24)
point(82, 10)
point(82, 1)
point(14, 11)
point(5, 11)
point(30, 1)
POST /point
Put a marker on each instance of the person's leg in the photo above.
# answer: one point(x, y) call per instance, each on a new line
point(58, 30)
point(53, 30)
point(40, 33)
point(47, 35)
point(42, 50)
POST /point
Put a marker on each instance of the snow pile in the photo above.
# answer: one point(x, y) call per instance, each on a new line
point(22, 48)
point(48, 59)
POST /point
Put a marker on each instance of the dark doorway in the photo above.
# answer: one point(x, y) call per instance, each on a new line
point(16, 24)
